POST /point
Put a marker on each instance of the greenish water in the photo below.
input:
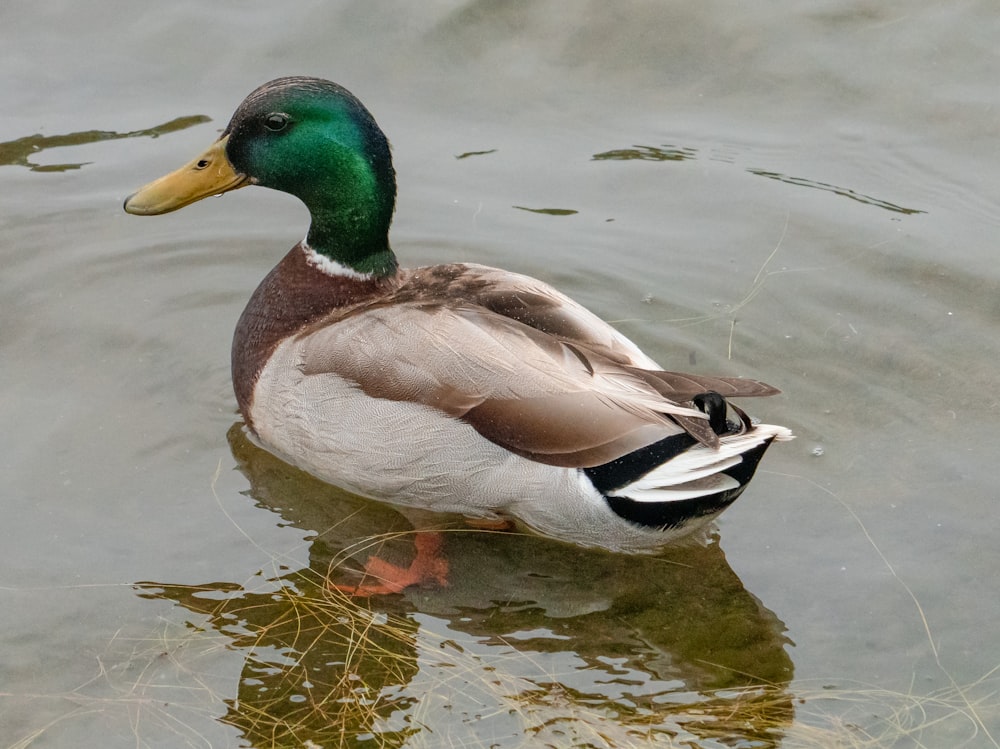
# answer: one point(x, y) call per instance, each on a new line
point(803, 194)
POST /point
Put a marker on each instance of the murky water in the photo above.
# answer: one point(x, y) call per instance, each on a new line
point(803, 193)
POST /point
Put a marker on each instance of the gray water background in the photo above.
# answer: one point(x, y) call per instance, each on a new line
point(808, 194)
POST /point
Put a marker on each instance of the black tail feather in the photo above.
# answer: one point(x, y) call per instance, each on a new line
point(626, 469)
point(675, 513)
point(610, 477)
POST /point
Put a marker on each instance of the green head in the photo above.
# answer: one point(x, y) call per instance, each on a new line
point(310, 138)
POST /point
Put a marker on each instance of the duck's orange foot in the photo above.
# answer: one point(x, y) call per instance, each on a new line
point(428, 568)
point(487, 524)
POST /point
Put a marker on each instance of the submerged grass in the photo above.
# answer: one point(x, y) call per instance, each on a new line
point(314, 668)
point(319, 669)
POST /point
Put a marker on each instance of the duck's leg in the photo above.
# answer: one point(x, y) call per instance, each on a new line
point(428, 568)
point(485, 524)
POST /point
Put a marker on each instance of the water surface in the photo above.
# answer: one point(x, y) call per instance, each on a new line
point(802, 194)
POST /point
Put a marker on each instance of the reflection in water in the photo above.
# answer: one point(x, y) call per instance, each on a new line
point(647, 153)
point(18, 152)
point(842, 191)
point(548, 211)
point(468, 154)
point(680, 153)
point(532, 641)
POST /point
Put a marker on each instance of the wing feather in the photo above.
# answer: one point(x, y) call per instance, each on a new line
point(524, 365)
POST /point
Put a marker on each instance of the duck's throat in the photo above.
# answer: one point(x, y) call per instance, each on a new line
point(355, 238)
point(368, 264)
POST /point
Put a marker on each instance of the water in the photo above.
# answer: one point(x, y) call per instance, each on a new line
point(806, 195)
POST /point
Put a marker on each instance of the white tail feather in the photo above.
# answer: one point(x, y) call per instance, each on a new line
point(697, 472)
point(705, 487)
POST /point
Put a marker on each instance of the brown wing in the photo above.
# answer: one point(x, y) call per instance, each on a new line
point(523, 364)
point(539, 306)
point(542, 307)
point(522, 389)
point(683, 387)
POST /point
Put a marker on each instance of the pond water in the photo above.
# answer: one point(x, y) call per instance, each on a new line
point(807, 194)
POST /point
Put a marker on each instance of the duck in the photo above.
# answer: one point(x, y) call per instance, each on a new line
point(455, 388)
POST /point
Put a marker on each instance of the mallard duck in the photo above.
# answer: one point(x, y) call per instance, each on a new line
point(457, 388)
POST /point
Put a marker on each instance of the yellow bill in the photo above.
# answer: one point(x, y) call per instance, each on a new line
point(211, 173)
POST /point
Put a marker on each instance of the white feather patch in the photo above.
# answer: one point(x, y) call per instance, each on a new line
point(705, 487)
point(331, 267)
point(698, 471)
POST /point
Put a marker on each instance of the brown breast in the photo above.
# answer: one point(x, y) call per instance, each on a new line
point(293, 295)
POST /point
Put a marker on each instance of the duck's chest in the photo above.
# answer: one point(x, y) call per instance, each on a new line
point(294, 295)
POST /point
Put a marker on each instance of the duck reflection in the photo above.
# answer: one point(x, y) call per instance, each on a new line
point(20, 152)
point(532, 641)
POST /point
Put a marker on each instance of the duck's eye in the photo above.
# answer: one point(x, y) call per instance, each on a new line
point(276, 121)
